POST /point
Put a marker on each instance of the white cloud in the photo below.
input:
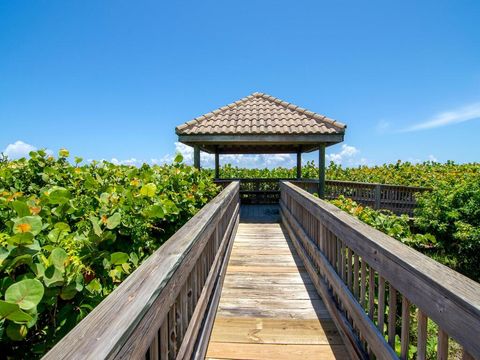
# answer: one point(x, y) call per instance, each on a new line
point(130, 162)
point(466, 113)
point(18, 150)
point(347, 156)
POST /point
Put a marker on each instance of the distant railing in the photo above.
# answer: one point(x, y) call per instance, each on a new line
point(399, 199)
point(257, 190)
point(377, 288)
point(165, 308)
point(396, 198)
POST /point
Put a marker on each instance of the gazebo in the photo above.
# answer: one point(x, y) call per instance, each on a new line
point(262, 124)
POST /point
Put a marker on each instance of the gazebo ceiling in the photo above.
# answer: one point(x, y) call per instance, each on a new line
point(260, 123)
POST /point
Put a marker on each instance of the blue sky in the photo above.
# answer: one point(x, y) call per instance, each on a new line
point(112, 79)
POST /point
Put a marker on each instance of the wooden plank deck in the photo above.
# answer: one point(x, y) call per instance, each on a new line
point(269, 308)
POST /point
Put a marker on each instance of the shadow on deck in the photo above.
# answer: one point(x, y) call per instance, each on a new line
point(260, 214)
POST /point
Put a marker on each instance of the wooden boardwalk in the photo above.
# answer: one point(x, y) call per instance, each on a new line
point(269, 308)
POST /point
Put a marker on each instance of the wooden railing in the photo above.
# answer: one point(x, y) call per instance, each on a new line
point(165, 308)
point(376, 288)
point(396, 198)
point(257, 190)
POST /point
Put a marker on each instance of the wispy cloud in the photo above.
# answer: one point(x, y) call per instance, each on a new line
point(466, 113)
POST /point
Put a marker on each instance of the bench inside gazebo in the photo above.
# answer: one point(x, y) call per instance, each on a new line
point(313, 283)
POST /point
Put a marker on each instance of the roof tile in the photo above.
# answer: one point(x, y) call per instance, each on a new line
point(260, 114)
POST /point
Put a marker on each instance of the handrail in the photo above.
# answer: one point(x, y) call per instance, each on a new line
point(164, 308)
point(400, 199)
point(372, 283)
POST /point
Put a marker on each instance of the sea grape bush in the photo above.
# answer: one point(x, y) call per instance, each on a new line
point(428, 174)
point(69, 234)
point(387, 222)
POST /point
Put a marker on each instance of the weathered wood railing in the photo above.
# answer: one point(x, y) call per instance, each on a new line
point(165, 308)
point(396, 198)
point(257, 190)
point(376, 288)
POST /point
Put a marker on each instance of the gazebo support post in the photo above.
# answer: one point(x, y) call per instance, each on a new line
point(196, 156)
point(321, 171)
point(217, 163)
point(299, 163)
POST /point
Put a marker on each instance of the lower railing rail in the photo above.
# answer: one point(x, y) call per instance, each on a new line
point(388, 300)
point(165, 308)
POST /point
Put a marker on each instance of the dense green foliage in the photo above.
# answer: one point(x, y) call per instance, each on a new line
point(427, 174)
point(69, 234)
point(397, 227)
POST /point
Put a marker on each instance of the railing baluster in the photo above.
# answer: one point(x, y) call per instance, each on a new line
point(381, 304)
point(405, 332)
point(371, 293)
point(442, 345)
point(363, 283)
point(349, 268)
point(355, 275)
point(422, 321)
point(392, 315)
point(163, 334)
point(154, 350)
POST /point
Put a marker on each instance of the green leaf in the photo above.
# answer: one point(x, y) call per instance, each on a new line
point(26, 293)
point(21, 239)
point(21, 208)
point(63, 153)
point(113, 221)
point(134, 259)
point(58, 257)
point(13, 312)
point(4, 253)
point(26, 224)
point(118, 258)
point(16, 332)
point(148, 190)
point(96, 227)
point(56, 235)
point(94, 286)
point(7, 308)
point(155, 211)
point(53, 277)
point(68, 292)
point(178, 158)
point(58, 195)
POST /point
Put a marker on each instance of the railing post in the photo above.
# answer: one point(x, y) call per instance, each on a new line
point(321, 171)
point(378, 196)
point(217, 163)
point(299, 164)
point(196, 156)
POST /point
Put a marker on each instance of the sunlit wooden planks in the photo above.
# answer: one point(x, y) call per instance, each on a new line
point(269, 308)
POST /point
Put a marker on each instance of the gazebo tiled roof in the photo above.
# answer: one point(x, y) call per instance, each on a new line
point(261, 114)
point(260, 123)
